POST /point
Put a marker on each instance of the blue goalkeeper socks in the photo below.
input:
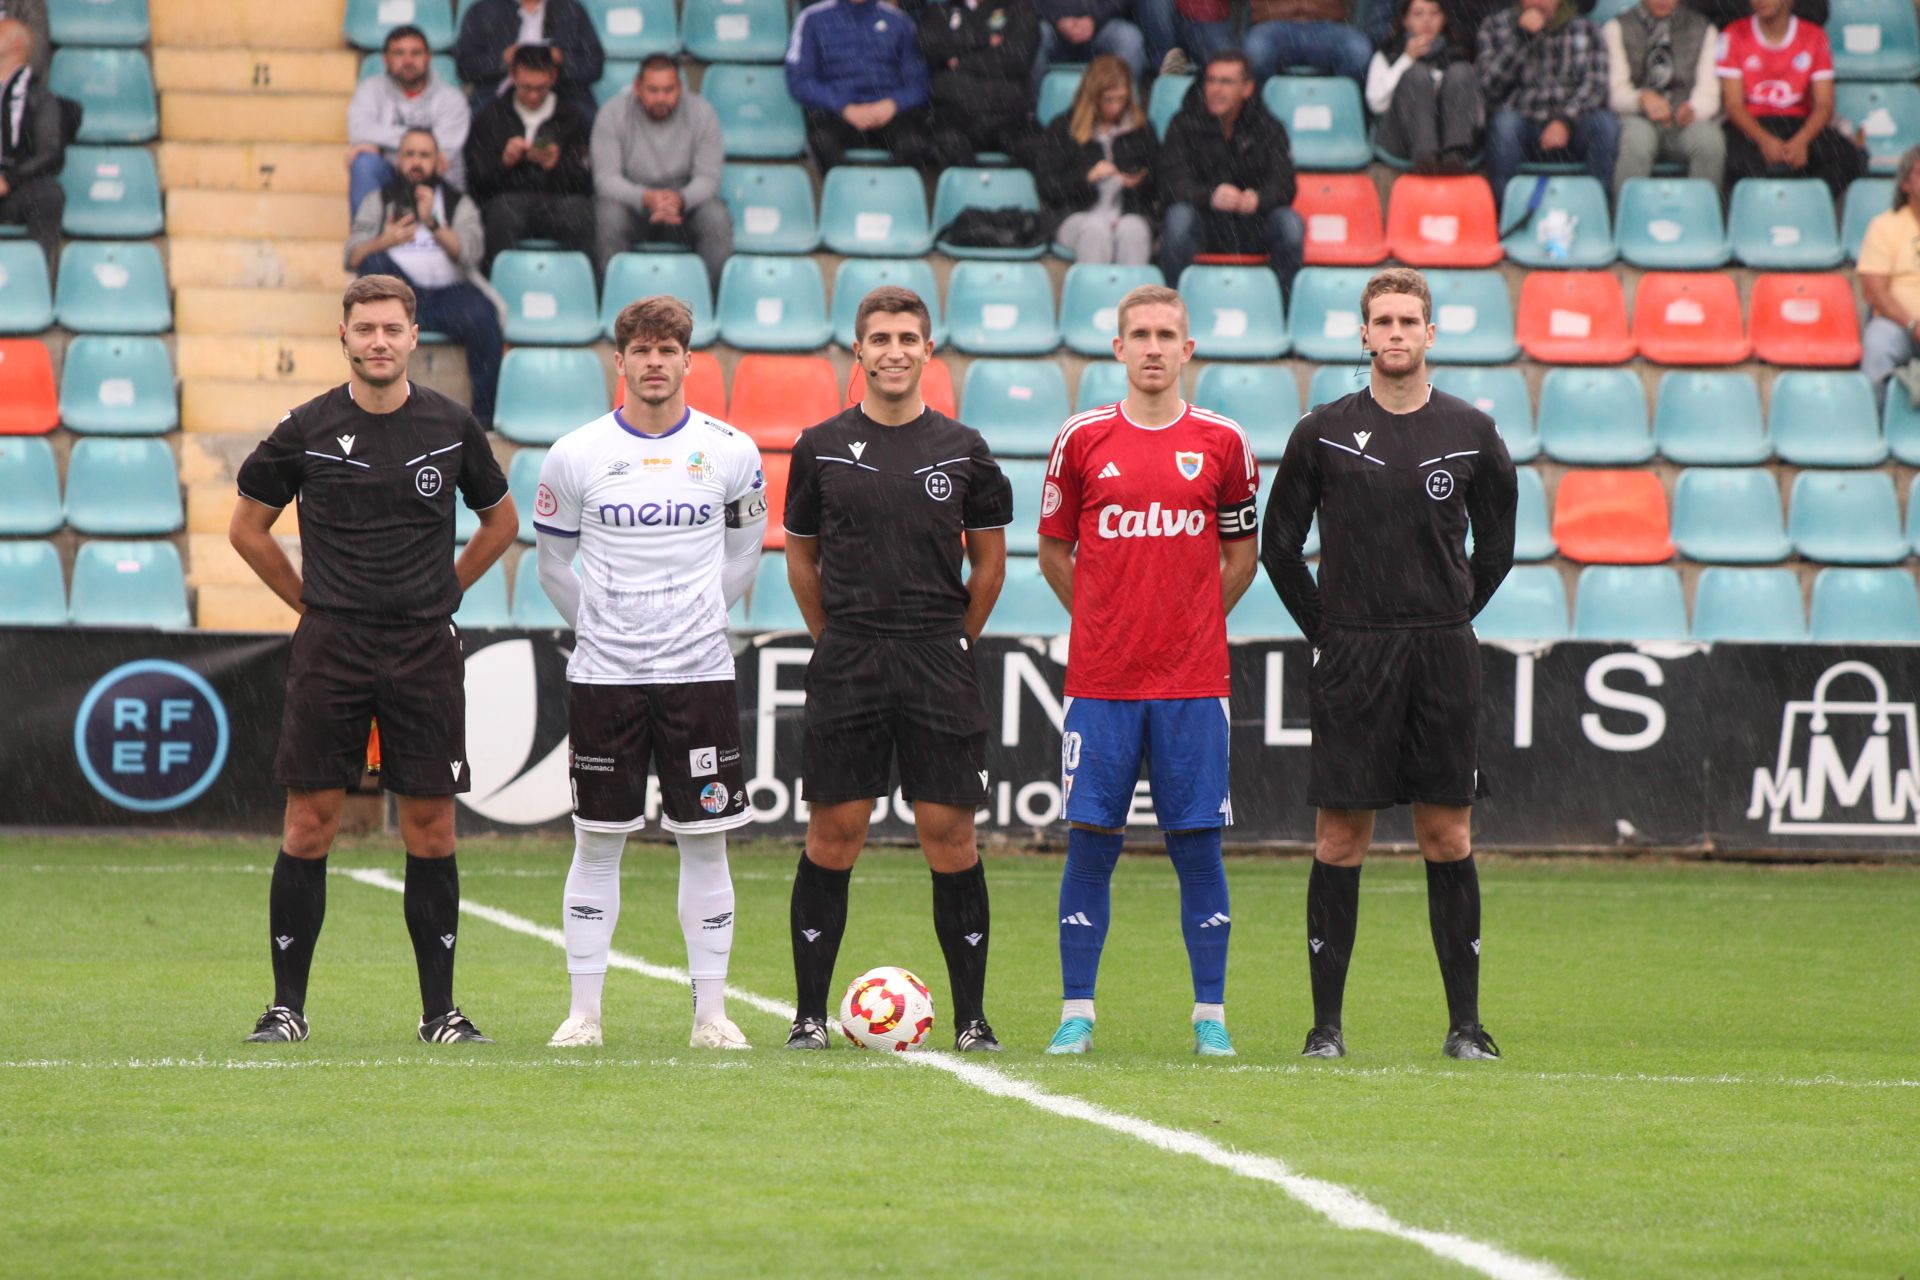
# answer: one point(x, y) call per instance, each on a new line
point(1085, 908)
point(1204, 918)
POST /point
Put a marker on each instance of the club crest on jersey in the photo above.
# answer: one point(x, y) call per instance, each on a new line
point(1050, 499)
point(1189, 464)
point(699, 466)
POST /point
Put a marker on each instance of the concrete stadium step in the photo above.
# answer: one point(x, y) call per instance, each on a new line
point(317, 167)
point(267, 312)
point(255, 24)
point(284, 360)
point(243, 608)
point(212, 561)
point(235, 117)
point(210, 509)
point(212, 404)
point(266, 264)
point(255, 71)
point(280, 214)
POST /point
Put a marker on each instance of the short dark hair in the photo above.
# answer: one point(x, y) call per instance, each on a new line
point(534, 57)
point(656, 62)
point(654, 318)
point(402, 32)
point(1396, 280)
point(410, 130)
point(377, 288)
point(1236, 57)
point(891, 299)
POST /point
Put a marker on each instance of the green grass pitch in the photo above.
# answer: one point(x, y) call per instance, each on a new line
point(1711, 1070)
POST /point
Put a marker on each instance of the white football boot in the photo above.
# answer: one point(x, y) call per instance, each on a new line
point(576, 1033)
point(718, 1034)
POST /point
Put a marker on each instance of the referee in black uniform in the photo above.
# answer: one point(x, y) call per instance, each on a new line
point(878, 501)
point(374, 464)
point(1396, 472)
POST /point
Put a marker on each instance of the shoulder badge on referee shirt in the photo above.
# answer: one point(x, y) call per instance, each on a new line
point(1189, 464)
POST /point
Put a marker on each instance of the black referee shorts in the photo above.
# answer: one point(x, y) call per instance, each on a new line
point(341, 674)
point(872, 700)
point(687, 734)
point(1396, 718)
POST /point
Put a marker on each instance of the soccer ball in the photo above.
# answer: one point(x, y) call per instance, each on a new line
point(887, 1008)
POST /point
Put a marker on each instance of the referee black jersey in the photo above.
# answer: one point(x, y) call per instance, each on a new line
point(376, 493)
point(1395, 494)
point(889, 505)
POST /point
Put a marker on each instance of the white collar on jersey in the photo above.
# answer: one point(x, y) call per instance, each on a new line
point(1122, 407)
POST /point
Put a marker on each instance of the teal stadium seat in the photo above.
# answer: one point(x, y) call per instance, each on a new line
point(1710, 419)
point(1729, 515)
point(523, 478)
point(1259, 615)
point(129, 584)
point(1532, 527)
point(1262, 398)
point(1671, 224)
point(1874, 39)
point(115, 88)
point(634, 29)
point(773, 304)
point(1594, 417)
point(32, 592)
point(857, 277)
point(1581, 198)
point(1501, 393)
point(1867, 199)
point(759, 120)
point(1473, 315)
point(1028, 476)
point(114, 22)
point(1057, 88)
point(770, 605)
point(772, 206)
point(1753, 605)
point(1332, 381)
point(546, 392)
point(1825, 419)
point(1531, 604)
point(962, 189)
point(1607, 10)
point(375, 63)
point(633, 276)
point(1865, 606)
point(368, 21)
point(123, 487)
point(1001, 309)
point(1629, 602)
point(532, 608)
point(1324, 118)
point(1236, 313)
point(1027, 605)
point(484, 606)
point(1902, 422)
point(1090, 303)
point(466, 522)
point(550, 296)
point(1913, 520)
point(26, 291)
point(1846, 517)
point(1326, 313)
point(735, 30)
point(118, 386)
point(1103, 382)
point(111, 192)
point(874, 211)
point(29, 487)
point(1889, 115)
point(615, 79)
point(1784, 224)
point(1163, 101)
point(1018, 405)
point(112, 286)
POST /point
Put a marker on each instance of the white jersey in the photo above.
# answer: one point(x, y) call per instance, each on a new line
point(651, 513)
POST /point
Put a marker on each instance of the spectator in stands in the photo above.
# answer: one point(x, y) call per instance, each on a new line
point(1422, 87)
point(408, 96)
point(34, 14)
point(980, 56)
point(420, 228)
point(1543, 69)
point(527, 162)
point(657, 156)
point(1306, 33)
point(1226, 172)
point(1776, 81)
point(1724, 13)
point(1661, 83)
point(1890, 282)
point(1182, 33)
point(1465, 16)
point(855, 67)
point(494, 29)
point(32, 146)
point(1082, 30)
point(1094, 167)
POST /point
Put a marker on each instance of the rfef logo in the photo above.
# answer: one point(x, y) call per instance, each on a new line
point(151, 736)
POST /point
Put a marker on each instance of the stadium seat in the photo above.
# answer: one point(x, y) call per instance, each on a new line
point(857, 277)
point(29, 488)
point(484, 606)
point(1105, 382)
point(32, 592)
point(114, 88)
point(1236, 312)
point(1532, 527)
point(1326, 313)
point(633, 29)
point(1671, 224)
point(1442, 222)
point(962, 189)
point(1531, 604)
point(1259, 615)
point(1689, 318)
point(1325, 120)
point(1729, 515)
point(772, 207)
point(1612, 517)
point(936, 387)
point(616, 78)
point(1710, 419)
point(1594, 417)
point(1874, 39)
point(368, 21)
point(1001, 309)
point(773, 304)
point(759, 120)
point(1913, 520)
point(633, 276)
point(1825, 420)
point(1753, 605)
point(28, 406)
point(1577, 197)
point(523, 477)
point(1846, 517)
point(1865, 606)
point(1262, 398)
point(1641, 602)
point(123, 487)
point(775, 398)
point(129, 584)
point(735, 30)
point(1027, 476)
point(1027, 605)
point(375, 63)
point(114, 22)
point(1332, 381)
point(1342, 213)
point(550, 298)
point(1784, 224)
point(112, 286)
point(875, 212)
point(1090, 301)
point(1502, 395)
point(118, 386)
point(1889, 116)
point(770, 605)
point(111, 192)
point(1018, 405)
point(1057, 88)
point(777, 468)
point(546, 392)
point(1902, 424)
point(1574, 317)
point(706, 386)
point(26, 292)
point(1163, 101)
point(1867, 199)
point(1473, 315)
point(532, 608)
point(466, 522)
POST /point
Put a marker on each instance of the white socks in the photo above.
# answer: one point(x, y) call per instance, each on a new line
point(706, 919)
point(1210, 1013)
point(589, 911)
point(1076, 1009)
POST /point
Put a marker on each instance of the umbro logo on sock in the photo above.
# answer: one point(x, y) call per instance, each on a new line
point(1079, 918)
point(284, 941)
point(1215, 920)
point(1476, 946)
point(446, 940)
point(584, 912)
point(809, 934)
point(1316, 944)
point(973, 939)
point(1109, 472)
point(720, 921)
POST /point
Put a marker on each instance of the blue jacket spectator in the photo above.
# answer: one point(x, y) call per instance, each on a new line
point(856, 69)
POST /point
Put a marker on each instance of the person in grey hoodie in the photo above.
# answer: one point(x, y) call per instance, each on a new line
point(408, 96)
point(657, 155)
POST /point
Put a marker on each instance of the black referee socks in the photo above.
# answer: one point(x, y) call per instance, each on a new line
point(960, 922)
point(1453, 909)
point(296, 907)
point(432, 907)
point(1333, 915)
point(819, 920)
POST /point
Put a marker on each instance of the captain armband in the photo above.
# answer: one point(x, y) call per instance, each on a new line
point(1240, 519)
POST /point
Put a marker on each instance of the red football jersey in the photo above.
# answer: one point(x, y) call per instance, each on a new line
point(1149, 507)
point(1777, 79)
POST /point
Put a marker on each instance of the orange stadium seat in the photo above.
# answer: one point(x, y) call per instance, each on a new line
point(936, 387)
point(1342, 213)
point(1574, 317)
point(1612, 517)
point(776, 465)
point(1689, 317)
point(1804, 319)
point(775, 398)
point(29, 402)
point(706, 386)
point(1443, 222)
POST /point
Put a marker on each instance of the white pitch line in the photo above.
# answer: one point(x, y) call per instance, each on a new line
point(1345, 1209)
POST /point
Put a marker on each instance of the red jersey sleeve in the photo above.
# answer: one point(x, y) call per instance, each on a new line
point(1060, 493)
point(1237, 498)
point(1822, 50)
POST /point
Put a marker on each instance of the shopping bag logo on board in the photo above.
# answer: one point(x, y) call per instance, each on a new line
point(1845, 768)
